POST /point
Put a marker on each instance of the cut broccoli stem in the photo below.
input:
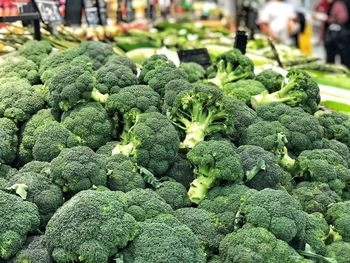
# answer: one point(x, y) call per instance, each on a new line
point(260, 166)
point(199, 188)
point(332, 236)
point(287, 162)
point(125, 149)
point(98, 96)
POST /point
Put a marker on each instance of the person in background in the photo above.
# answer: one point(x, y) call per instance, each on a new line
point(279, 20)
point(337, 31)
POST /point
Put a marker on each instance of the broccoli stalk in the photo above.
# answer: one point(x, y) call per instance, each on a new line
point(281, 152)
point(98, 96)
point(260, 166)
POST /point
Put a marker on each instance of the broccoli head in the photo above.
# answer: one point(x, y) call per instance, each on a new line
point(98, 52)
point(122, 174)
point(20, 67)
point(164, 239)
point(340, 251)
point(38, 167)
point(325, 166)
point(35, 50)
point(300, 91)
point(174, 193)
point(338, 147)
point(171, 90)
point(122, 60)
point(90, 122)
point(338, 215)
point(41, 191)
point(8, 140)
point(214, 161)
point(271, 80)
point(194, 71)
point(6, 172)
point(231, 66)
point(90, 227)
point(152, 63)
point(78, 168)
point(255, 244)
point(17, 219)
point(152, 141)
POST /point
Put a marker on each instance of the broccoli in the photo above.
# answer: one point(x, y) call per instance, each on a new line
point(6, 172)
point(338, 147)
point(98, 52)
point(338, 215)
point(276, 211)
point(152, 141)
point(164, 239)
point(260, 167)
point(38, 167)
point(17, 219)
point(255, 244)
point(272, 111)
point(174, 193)
point(152, 63)
point(90, 122)
point(78, 168)
point(19, 100)
point(173, 88)
point(40, 191)
point(229, 67)
point(106, 149)
point(122, 174)
point(111, 78)
point(20, 67)
point(325, 166)
point(203, 225)
point(224, 202)
point(243, 89)
point(29, 131)
point(8, 140)
point(160, 76)
point(35, 50)
point(271, 80)
point(315, 196)
point(122, 60)
point(300, 91)
point(51, 140)
point(336, 126)
point(34, 251)
point(340, 251)
point(201, 112)
point(194, 71)
point(90, 227)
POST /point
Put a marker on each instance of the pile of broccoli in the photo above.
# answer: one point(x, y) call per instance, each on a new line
point(102, 161)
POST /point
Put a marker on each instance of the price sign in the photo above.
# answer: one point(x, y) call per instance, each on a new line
point(49, 11)
point(199, 55)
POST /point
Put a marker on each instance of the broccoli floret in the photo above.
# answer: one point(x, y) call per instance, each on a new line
point(39, 167)
point(255, 244)
point(243, 89)
point(276, 211)
point(35, 50)
point(172, 89)
point(231, 66)
point(214, 161)
point(315, 196)
point(337, 126)
point(51, 140)
point(272, 80)
point(338, 215)
point(107, 149)
point(153, 142)
point(122, 174)
point(338, 147)
point(272, 111)
point(40, 191)
point(19, 100)
point(160, 76)
point(340, 251)
point(260, 167)
point(201, 112)
point(174, 193)
point(17, 219)
point(224, 202)
point(300, 91)
point(29, 131)
point(145, 204)
point(164, 239)
point(97, 51)
point(181, 171)
point(325, 166)
point(6, 172)
point(8, 140)
point(20, 67)
point(111, 78)
point(122, 60)
point(90, 122)
point(90, 227)
point(203, 225)
point(152, 63)
point(194, 71)
point(34, 251)
point(78, 168)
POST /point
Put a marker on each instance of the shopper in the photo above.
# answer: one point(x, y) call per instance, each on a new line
point(337, 31)
point(279, 20)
